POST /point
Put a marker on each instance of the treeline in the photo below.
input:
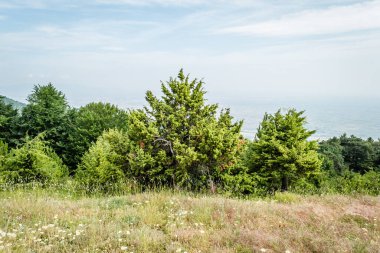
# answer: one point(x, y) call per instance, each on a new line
point(177, 141)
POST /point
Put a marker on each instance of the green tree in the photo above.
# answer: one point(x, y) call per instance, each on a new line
point(281, 153)
point(8, 123)
point(179, 140)
point(90, 121)
point(47, 111)
point(35, 161)
point(358, 154)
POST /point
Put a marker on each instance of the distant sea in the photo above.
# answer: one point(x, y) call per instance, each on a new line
point(329, 117)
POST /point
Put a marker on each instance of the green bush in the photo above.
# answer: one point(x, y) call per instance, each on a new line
point(33, 162)
point(352, 182)
point(105, 165)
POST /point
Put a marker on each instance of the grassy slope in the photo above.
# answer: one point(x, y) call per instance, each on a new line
point(167, 222)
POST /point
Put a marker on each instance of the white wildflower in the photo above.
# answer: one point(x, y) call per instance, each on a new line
point(124, 247)
point(11, 235)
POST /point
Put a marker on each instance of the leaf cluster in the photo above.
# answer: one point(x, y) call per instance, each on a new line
point(35, 161)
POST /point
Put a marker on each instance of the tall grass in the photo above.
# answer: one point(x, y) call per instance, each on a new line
point(41, 218)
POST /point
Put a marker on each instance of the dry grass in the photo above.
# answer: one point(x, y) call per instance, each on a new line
point(167, 222)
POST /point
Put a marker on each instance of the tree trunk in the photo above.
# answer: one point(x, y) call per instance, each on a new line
point(284, 183)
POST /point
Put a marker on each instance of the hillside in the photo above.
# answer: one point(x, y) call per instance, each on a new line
point(16, 104)
point(166, 222)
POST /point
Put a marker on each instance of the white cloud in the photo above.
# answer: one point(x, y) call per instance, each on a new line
point(33, 4)
point(333, 20)
point(152, 2)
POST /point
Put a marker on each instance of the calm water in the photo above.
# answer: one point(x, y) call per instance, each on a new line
point(329, 117)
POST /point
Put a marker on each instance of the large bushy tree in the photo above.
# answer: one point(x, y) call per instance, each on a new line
point(281, 152)
point(179, 139)
point(47, 111)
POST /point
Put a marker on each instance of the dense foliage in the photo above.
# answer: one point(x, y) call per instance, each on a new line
point(350, 153)
point(90, 121)
point(177, 141)
point(47, 112)
point(9, 118)
point(181, 140)
point(35, 161)
point(105, 163)
point(281, 152)
point(278, 157)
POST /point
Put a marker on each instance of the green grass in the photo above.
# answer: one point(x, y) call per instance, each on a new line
point(46, 220)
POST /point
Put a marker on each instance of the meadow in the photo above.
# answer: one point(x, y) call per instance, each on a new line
point(51, 220)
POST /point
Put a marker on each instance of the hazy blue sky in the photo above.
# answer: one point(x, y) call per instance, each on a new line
point(114, 50)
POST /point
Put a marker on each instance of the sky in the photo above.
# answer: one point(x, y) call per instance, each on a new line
point(115, 50)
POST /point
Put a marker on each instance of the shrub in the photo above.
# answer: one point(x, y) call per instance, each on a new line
point(352, 182)
point(105, 165)
point(35, 161)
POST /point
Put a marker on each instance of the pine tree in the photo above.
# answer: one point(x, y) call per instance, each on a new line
point(281, 152)
point(179, 139)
